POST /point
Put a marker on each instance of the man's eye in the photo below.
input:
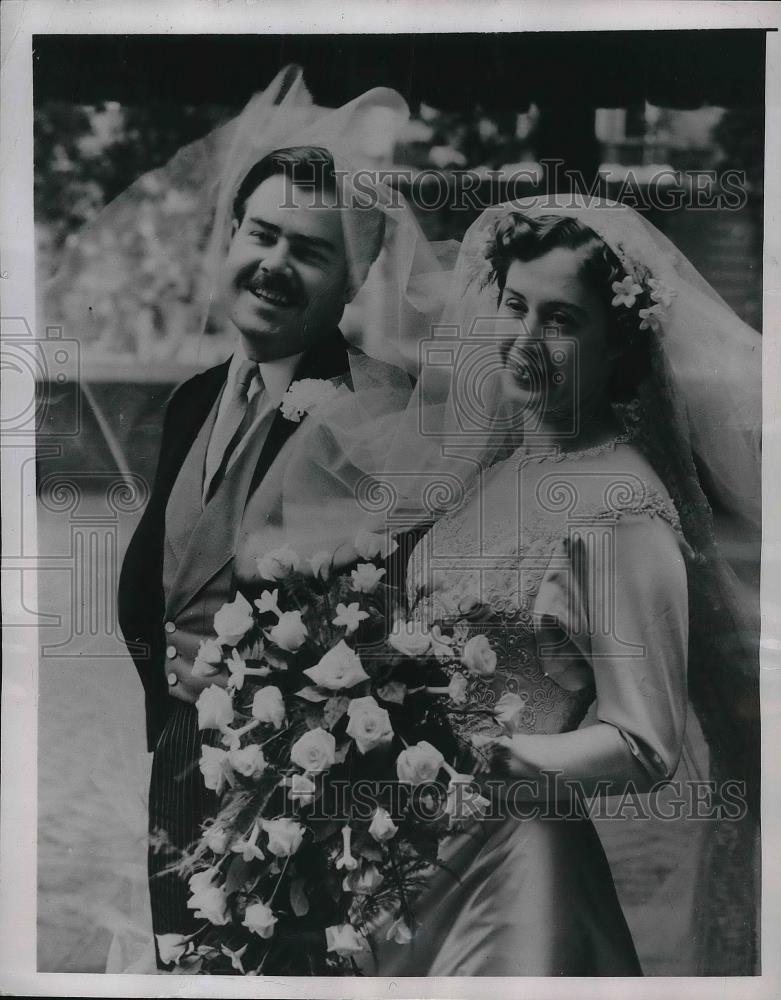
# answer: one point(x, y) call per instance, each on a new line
point(310, 256)
point(515, 305)
point(265, 239)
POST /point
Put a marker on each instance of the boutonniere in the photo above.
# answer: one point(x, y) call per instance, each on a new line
point(306, 395)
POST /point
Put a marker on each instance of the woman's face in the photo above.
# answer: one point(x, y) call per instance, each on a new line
point(558, 363)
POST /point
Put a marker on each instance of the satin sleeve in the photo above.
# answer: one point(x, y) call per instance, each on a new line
point(615, 602)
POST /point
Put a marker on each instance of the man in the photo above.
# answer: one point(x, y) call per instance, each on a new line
point(286, 279)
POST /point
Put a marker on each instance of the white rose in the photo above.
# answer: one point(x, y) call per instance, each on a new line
point(410, 639)
point(399, 932)
point(203, 879)
point(370, 545)
point(210, 904)
point(268, 706)
point(464, 803)
point(339, 668)
point(233, 621)
point(507, 708)
point(248, 761)
point(207, 659)
point(479, 657)
point(259, 918)
point(419, 763)
point(369, 725)
point(320, 564)
point(366, 578)
point(278, 564)
point(171, 946)
point(290, 632)
point(363, 881)
point(215, 708)
point(344, 940)
point(314, 751)
point(215, 768)
point(457, 688)
point(284, 836)
point(382, 827)
point(216, 839)
point(302, 789)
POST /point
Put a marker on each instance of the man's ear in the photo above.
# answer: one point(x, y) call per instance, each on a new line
point(234, 226)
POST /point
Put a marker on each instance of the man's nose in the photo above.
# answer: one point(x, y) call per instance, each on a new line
point(276, 258)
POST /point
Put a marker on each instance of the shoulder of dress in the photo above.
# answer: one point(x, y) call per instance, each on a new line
point(607, 487)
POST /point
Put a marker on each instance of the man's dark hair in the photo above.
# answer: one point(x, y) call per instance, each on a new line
point(312, 168)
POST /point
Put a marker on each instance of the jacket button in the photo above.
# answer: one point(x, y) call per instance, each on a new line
point(171, 652)
point(172, 679)
point(169, 627)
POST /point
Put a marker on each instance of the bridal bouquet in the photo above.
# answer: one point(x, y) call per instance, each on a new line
point(332, 754)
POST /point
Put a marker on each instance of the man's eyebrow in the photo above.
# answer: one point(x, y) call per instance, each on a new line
point(318, 241)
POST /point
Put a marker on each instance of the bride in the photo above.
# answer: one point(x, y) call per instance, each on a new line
point(585, 409)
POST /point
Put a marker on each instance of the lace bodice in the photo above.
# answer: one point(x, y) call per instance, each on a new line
point(513, 537)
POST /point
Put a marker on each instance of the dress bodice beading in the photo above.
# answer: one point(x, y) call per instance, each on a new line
point(525, 548)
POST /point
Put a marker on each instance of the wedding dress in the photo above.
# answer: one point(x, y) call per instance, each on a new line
point(538, 544)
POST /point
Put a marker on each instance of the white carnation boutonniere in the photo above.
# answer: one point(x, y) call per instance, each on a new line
point(305, 395)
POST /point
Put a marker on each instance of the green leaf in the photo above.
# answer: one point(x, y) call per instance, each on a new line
point(334, 709)
point(299, 902)
point(312, 693)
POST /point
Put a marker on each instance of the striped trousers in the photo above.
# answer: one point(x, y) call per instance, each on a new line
point(179, 802)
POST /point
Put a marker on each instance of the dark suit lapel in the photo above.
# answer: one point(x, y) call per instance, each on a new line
point(213, 541)
point(186, 421)
point(326, 360)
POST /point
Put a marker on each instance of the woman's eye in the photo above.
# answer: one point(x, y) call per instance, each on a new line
point(559, 318)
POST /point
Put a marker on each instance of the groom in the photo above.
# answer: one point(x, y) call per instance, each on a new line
point(286, 279)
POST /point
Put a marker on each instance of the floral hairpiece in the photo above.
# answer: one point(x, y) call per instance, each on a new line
point(638, 282)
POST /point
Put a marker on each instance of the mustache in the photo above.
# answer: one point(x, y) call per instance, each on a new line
point(276, 284)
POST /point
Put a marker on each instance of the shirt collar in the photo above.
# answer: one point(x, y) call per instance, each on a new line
point(276, 375)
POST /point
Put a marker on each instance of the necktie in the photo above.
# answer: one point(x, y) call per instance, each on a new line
point(230, 427)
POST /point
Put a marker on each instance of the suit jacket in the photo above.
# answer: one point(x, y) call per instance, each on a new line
point(142, 603)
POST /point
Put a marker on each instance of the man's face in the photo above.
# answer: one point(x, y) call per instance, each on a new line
point(285, 277)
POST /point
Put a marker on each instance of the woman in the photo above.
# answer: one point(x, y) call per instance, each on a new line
point(578, 541)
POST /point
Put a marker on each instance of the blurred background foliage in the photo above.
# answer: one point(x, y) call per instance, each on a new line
point(87, 155)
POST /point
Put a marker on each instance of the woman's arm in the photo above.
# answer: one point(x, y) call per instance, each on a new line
point(633, 632)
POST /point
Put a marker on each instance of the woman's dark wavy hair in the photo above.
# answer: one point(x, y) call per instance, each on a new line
point(520, 237)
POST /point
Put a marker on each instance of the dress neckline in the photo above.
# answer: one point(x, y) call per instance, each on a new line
point(560, 455)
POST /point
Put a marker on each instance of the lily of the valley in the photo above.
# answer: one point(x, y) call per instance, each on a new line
point(346, 859)
point(349, 616)
point(248, 848)
point(235, 957)
point(239, 670)
point(232, 737)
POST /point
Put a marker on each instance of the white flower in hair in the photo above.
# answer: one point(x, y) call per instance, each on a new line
point(626, 291)
point(661, 293)
point(651, 318)
point(306, 395)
